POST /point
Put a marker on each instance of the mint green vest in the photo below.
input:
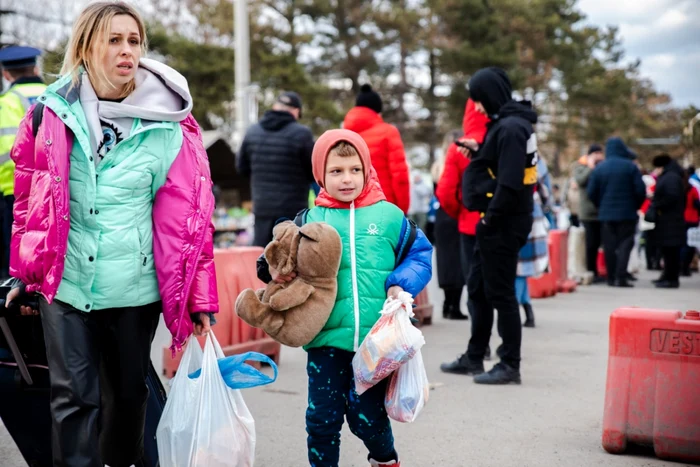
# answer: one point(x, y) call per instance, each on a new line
point(370, 237)
point(109, 261)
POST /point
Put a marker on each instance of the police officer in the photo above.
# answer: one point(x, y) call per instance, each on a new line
point(19, 67)
point(499, 183)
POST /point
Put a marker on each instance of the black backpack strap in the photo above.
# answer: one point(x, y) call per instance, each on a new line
point(37, 117)
point(410, 238)
point(300, 218)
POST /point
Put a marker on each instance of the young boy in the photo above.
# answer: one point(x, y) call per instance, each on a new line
point(383, 254)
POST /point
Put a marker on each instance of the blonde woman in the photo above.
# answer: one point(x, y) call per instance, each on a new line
point(112, 226)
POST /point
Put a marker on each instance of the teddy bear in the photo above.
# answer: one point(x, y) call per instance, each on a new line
point(293, 313)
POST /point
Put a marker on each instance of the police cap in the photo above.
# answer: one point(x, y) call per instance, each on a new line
point(16, 56)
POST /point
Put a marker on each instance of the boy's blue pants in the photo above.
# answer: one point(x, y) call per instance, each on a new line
point(332, 398)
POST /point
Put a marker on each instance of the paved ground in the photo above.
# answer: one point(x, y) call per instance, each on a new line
point(553, 419)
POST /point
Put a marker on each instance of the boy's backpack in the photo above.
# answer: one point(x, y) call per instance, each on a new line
point(403, 249)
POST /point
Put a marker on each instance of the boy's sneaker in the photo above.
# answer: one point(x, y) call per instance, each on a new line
point(374, 463)
point(463, 366)
point(499, 374)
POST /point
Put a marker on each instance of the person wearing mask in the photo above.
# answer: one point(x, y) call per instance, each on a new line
point(447, 239)
point(588, 212)
point(385, 146)
point(667, 211)
point(276, 156)
point(19, 68)
point(692, 220)
point(498, 184)
point(112, 225)
point(616, 188)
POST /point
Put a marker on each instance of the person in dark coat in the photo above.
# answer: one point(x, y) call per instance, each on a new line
point(447, 242)
point(499, 183)
point(276, 155)
point(616, 188)
point(667, 212)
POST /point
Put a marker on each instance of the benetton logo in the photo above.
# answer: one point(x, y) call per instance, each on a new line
point(675, 342)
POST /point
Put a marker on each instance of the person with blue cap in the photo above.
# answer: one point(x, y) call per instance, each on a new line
point(19, 67)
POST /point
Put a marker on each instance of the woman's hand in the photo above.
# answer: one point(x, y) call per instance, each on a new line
point(279, 278)
point(24, 310)
point(202, 324)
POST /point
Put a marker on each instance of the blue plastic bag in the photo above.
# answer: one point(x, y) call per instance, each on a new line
point(239, 375)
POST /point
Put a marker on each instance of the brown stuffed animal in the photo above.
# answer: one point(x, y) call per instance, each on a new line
point(294, 313)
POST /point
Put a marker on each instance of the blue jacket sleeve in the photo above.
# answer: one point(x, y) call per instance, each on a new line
point(415, 271)
point(593, 188)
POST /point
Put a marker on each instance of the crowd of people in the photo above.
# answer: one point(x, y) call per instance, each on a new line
point(629, 208)
point(109, 198)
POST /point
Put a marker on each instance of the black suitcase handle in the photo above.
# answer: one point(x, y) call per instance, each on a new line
point(24, 299)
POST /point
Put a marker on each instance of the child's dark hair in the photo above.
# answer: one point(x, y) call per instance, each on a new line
point(345, 149)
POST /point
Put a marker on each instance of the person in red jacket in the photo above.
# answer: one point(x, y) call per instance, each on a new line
point(449, 193)
point(385, 146)
point(692, 219)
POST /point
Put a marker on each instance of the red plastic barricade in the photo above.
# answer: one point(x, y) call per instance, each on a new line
point(235, 271)
point(652, 393)
point(559, 260)
point(546, 284)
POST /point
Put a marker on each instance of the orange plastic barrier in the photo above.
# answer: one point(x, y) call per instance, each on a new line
point(235, 271)
point(423, 308)
point(652, 395)
point(559, 260)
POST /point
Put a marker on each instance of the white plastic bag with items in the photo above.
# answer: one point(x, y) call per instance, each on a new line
point(408, 391)
point(392, 341)
point(205, 423)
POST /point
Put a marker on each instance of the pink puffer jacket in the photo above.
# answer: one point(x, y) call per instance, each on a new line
point(182, 228)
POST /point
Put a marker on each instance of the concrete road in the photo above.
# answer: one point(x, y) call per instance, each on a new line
point(553, 419)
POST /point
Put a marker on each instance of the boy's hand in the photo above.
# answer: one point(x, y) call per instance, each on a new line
point(394, 291)
point(280, 279)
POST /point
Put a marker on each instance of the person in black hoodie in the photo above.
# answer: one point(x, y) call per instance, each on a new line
point(276, 155)
point(667, 212)
point(498, 183)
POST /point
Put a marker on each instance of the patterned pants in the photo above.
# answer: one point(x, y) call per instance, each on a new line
point(332, 398)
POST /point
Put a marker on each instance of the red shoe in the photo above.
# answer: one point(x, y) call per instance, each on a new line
point(374, 463)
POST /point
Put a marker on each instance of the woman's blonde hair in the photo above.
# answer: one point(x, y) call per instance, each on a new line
point(90, 38)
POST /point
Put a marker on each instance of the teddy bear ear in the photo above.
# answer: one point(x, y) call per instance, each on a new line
point(312, 231)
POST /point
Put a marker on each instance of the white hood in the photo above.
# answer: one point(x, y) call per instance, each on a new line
point(161, 95)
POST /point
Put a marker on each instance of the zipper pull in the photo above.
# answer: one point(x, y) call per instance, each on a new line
point(144, 259)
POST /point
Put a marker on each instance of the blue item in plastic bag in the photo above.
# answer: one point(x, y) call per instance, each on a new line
point(237, 374)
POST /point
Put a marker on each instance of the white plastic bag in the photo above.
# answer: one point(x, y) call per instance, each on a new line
point(204, 423)
point(408, 391)
point(392, 341)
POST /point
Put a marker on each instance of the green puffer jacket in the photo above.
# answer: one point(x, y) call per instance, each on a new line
point(370, 237)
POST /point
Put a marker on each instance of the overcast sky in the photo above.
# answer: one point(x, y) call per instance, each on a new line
point(664, 34)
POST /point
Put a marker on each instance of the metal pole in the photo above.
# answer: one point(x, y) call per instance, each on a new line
point(242, 69)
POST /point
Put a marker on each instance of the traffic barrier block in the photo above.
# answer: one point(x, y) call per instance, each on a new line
point(652, 394)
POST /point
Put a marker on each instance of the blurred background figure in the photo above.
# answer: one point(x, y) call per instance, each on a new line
point(276, 155)
point(692, 219)
point(385, 146)
point(421, 193)
point(617, 189)
point(588, 212)
point(667, 211)
point(449, 268)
